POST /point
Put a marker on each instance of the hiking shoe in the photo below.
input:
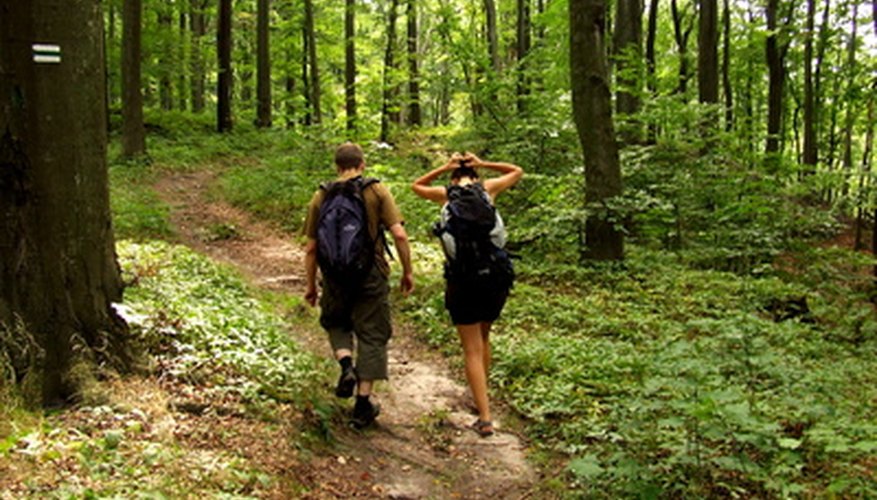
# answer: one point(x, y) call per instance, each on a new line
point(346, 383)
point(364, 415)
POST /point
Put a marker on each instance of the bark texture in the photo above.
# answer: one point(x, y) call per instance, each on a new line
point(592, 110)
point(58, 271)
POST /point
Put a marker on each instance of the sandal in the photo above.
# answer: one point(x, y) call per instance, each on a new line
point(484, 428)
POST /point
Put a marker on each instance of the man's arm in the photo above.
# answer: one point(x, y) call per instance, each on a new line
point(311, 272)
point(400, 237)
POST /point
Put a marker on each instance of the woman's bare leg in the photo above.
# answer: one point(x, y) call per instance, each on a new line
point(473, 352)
point(485, 343)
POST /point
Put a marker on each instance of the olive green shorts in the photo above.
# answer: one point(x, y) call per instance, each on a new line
point(363, 315)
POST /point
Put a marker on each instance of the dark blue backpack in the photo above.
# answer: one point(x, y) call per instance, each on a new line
point(345, 249)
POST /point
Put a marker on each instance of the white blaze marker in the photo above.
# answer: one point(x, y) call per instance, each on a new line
point(45, 53)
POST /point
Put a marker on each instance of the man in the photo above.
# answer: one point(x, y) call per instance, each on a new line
point(359, 310)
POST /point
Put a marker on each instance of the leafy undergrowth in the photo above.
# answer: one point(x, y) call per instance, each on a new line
point(230, 399)
point(660, 380)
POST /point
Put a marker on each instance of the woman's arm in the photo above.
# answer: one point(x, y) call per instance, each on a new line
point(510, 174)
point(422, 185)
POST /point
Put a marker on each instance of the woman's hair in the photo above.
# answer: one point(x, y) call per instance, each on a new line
point(460, 172)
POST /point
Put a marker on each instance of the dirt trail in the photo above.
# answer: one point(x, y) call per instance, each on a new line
point(421, 447)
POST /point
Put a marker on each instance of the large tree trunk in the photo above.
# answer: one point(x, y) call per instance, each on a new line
point(389, 68)
point(708, 53)
point(350, 64)
point(263, 63)
point(223, 50)
point(523, 49)
point(592, 110)
point(628, 44)
point(414, 117)
point(58, 271)
point(133, 132)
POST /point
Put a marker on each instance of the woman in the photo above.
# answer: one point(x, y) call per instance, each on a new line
point(472, 308)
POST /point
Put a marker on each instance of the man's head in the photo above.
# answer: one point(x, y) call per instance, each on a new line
point(349, 156)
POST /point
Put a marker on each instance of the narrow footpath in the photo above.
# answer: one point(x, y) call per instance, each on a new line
point(421, 446)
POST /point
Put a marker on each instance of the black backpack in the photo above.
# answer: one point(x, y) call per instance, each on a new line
point(473, 235)
point(345, 249)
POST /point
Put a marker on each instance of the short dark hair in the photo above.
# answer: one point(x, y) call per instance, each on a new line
point(460, 172)
point(349, 155)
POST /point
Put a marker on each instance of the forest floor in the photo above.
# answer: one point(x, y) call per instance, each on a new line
point(421, 446)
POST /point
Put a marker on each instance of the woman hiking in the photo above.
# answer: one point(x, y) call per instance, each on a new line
point(478, 273)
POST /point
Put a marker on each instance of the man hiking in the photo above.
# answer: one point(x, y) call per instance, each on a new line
point(345, 227)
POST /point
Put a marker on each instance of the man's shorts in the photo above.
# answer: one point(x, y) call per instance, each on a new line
point(365, 315)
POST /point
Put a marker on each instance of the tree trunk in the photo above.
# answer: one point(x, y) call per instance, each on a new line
point(681, 33)
point(389, 68)
point(821, 47)
point(109, 43)
point(181, 62)
point(592, 111)
point(165, 50)
point(726, 68)
point(871, 149)
point(198, 28)
point(58, 271)
point(523, 49)
point(628, 49)
point(850, 106)
point(708, 53)
point(414, 117)
point(350, 64)
point(311, 42)
point(863, 192)
point(650, 63)
point(492, 38)
point(776, 55)
point(810, 149)
point(223, 50)
point(263, 65)
point(133, 132)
